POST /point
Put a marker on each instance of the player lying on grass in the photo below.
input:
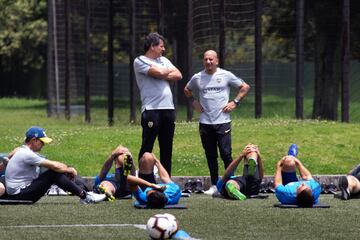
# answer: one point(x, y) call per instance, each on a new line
point(350, 184)
point(145, 189)
point(115, 185)
point(249, 183)
point(289, 189)
point(29, 175)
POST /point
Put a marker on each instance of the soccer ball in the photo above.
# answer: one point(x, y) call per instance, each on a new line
point(162, 226)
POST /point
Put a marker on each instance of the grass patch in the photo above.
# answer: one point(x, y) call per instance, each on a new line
point(205, 218)
point(325, 147)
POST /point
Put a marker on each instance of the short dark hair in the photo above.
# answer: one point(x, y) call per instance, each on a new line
point(156, 199)
point(305, 198)
point(153, 39)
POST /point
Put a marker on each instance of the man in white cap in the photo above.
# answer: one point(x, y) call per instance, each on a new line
point(24, 180)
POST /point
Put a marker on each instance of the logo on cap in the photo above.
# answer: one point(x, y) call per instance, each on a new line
point(38, 132)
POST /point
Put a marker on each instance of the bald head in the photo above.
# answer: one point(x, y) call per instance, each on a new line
point(210, 61)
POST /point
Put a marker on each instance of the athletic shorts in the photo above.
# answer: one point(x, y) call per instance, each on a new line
point(2, 179)
point(120, 189)
point(288, 177)
point(248, 186)
point(147, 177)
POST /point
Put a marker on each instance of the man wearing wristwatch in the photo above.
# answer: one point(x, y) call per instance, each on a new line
point(211, 87)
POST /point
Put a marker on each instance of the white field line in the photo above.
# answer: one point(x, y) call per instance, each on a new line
point(140, 226)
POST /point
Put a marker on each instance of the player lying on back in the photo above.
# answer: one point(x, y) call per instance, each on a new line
point(145, 189)
point(249, 183)
point(115, 185)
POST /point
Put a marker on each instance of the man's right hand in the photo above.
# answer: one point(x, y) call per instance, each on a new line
point(158, 187)
point(197, 106)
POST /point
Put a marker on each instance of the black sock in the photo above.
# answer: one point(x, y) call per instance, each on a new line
point(82, 195)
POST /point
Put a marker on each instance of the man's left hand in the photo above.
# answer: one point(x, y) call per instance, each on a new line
point(230, 106)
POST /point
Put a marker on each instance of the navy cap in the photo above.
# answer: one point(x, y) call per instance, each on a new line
point(38, 132)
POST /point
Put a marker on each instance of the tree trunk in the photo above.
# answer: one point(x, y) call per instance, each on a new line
point(327, 59)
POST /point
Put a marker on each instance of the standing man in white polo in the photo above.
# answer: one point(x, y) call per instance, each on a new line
point(154, 73)
point(213, 87)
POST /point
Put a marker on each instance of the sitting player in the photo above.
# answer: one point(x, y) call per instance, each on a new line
point(350, 184)
point(115, 186)
point(145, 189)
point(289, 189)
point(249, 184)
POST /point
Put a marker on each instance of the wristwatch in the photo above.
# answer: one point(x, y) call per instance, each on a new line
point(237, 102)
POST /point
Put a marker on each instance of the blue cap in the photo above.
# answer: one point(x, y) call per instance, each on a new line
point(38, 132)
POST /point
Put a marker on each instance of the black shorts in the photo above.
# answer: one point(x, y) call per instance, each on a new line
point(248, 186)
point(121, 189)
point(2, 179)
point(147, 177)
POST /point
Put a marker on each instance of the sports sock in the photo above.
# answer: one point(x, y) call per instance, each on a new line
point(252, 163)
point(234, 192)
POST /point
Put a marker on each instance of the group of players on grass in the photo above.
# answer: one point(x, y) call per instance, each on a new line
point(26, 179)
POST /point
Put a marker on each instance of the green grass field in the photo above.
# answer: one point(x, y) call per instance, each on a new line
point(205, 218)
point(325, 147)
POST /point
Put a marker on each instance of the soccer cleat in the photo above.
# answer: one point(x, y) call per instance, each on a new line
point(263, 187)
point(343, 184)
point(211, 190)
point(293, 150)
point(89, 199)
point(332, 188)
point(188, 187)
point(234, 192)
point(128, 162)
point(271, 187)
point(252, 165)
point(109, 196)
point(198, 186)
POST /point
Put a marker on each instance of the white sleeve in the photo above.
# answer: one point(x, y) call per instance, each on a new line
point(141, 66)
point(192, 82)
point(167, 63)
point(33, 159)
point(234, 80)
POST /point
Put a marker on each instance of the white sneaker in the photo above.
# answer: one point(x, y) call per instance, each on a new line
point(52, 191)
point(92, 197)
point(211, 190)
point(97, 197)
point(61, 192)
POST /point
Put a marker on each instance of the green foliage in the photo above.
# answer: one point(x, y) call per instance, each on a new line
point(23, 33)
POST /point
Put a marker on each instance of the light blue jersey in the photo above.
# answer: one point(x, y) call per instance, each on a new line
point(172, 192)
point(287, 194)
point(214, 92)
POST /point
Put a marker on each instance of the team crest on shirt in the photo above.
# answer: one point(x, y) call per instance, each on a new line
point(150, 124)
point(218, 80)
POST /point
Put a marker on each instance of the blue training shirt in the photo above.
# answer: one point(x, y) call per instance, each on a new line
point(172, 192)
point(287, 194)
